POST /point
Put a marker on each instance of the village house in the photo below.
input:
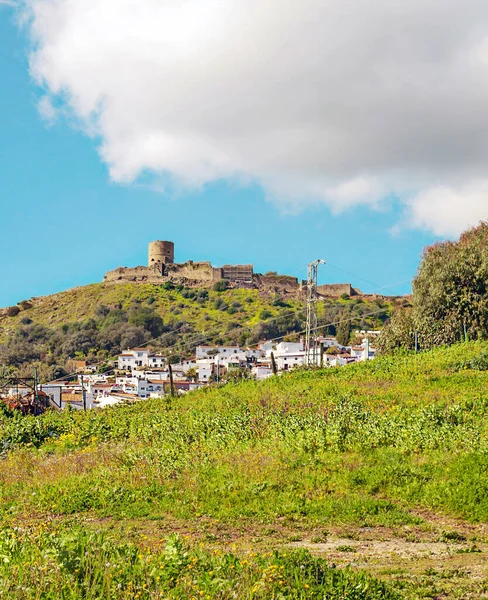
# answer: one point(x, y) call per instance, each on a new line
point(140, 357)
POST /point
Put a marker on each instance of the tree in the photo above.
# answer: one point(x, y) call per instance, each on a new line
point(192, 373)
point(147, 318)
point(343, 330)
point(450, 295)
point(398, 333)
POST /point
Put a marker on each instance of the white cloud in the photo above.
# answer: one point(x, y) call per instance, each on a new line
point(448, 211)
point(339, 102)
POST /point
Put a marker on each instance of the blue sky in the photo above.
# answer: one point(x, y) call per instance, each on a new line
point(64, 222)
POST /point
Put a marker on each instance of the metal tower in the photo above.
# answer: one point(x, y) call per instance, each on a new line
point(311, 331)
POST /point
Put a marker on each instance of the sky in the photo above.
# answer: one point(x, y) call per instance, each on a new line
point(245, 131)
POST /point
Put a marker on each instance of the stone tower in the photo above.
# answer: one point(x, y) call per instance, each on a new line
point(162, 253)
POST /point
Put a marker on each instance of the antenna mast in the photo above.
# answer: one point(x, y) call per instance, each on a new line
point(311, 331)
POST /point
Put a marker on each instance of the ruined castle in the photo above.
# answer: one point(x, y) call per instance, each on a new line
point(161, 268)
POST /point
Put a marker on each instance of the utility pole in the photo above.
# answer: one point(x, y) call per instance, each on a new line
point(311, 330)
point(273, 364)
point(171, 383)
point(36, 394)
point(416, 341)
point(83, 393)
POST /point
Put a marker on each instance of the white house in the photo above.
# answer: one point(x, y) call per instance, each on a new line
point(260, 372)
point(205, 369)
point(285, 361)
point(140, 357)
point(328, 342)
point(289, 347)
point(208, 351)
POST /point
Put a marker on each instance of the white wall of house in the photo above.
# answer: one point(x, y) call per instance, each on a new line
point(286, 361)
point(289, 347)
point(205, 369)
point(260, 373)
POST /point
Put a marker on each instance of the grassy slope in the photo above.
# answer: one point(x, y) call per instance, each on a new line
point(80, 304)
point(390, 452)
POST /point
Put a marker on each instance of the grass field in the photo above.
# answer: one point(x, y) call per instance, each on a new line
point(368, 481)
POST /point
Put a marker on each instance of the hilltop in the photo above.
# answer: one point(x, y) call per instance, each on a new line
point(370, 466)
point(99, 320)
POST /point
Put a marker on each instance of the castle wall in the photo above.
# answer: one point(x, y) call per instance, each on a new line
point(277, 283)
point(336, 289)
point(237, 272)
point(136, 274)
point(194, 271)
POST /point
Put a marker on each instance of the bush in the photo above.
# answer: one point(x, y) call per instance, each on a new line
point(221, 286)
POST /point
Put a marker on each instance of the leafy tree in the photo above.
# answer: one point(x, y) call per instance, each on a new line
point(174, 359)
point(399, 333)
point(146, 317)
point(450, 295)
point(192, 374)
point(343, 330)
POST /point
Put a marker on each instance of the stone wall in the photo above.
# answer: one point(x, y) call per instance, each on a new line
point(195, 271)
point(135, 274)
point(237, 272)
point(277, 283)
point(335, 290)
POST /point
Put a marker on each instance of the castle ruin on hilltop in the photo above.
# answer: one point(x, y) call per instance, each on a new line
point(162, 268)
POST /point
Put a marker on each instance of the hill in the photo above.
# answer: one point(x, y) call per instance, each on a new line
point(97, 321)
point(272, 488)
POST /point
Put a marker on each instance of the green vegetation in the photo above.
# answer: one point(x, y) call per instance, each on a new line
point(98, 321)
point(246, 469)
point(450, 296)
point(92, 566)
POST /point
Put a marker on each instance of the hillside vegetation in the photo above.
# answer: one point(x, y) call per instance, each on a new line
point(258, 485)
point(97, 321)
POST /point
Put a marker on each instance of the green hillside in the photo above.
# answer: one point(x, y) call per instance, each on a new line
point(269, 488)
point(97, 321)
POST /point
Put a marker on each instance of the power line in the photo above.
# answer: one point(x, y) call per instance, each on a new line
point(381, 287)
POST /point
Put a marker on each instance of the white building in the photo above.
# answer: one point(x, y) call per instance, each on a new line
point(205, 369)
point(328, 342)
point(209, 351)
point(140, 357)
point(260, 372)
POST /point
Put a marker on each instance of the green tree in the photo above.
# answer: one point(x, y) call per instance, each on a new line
point(146, 317)
point(450, 295)
point(343, 330)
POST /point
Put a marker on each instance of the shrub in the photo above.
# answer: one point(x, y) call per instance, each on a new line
point(221, 286)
